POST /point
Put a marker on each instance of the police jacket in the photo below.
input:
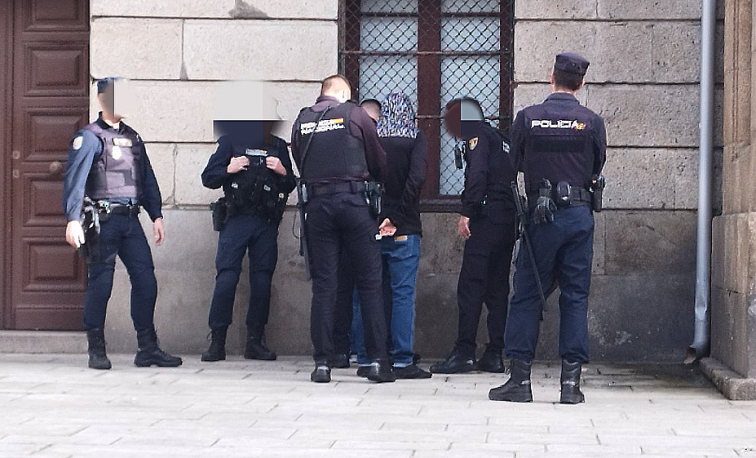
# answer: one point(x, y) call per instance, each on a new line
point(405, 175)
point(111, 164)
point(239, 188)
point(558, 140)
point(488, 174)
point(344, 147)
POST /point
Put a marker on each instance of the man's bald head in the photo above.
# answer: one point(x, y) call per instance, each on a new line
point(337, 86)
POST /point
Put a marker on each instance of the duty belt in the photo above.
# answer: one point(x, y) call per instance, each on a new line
point(578, 196)
point(351, 187)
point(103, 206)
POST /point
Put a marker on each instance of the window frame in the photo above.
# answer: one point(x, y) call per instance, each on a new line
point(429, 56)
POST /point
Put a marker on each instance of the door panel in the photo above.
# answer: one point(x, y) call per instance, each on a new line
point(50, 101)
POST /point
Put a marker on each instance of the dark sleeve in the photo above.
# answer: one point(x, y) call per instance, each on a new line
point(517, 142)
point(416, 176)
point(151, 199)
point(295, 152)
point(599, 145)
point(286, 183)
point(363, 127)
point(215, 172)
point(476, 176)
point(78, 167)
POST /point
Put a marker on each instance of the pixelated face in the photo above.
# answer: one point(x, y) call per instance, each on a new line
point(452, 119)
point(118, 99)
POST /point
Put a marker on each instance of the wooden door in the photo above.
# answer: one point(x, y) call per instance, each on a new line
point(50, 101)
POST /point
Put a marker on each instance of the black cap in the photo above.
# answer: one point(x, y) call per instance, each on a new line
point(571, 62)
point(104, 83)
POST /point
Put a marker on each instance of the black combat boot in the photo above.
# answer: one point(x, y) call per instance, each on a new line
point(456, 363)
point(98, 359)
point(491, 361)
point(517, 388)
point(217, 350)
point(570, 380)
point(150, 354)
point(381, 371)
point(322, 372)
point(256, 348)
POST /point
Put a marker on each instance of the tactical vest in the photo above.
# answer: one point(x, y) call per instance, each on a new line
point(334, 152)
point(115, 172)
point(558, 146)
point(255, 190)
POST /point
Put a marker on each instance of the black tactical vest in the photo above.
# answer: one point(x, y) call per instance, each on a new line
point(558, 146)
point(334, 153)
point(255, 190)
point(115, 172)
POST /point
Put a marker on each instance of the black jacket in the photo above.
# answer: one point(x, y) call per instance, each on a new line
point(405, 160)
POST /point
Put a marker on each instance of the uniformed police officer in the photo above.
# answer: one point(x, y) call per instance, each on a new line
point(487, 221)
point(561, 148)
point(253, 167)
point(108, 169)
point(336, 148)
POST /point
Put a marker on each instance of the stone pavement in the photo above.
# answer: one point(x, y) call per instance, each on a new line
point(52, 406)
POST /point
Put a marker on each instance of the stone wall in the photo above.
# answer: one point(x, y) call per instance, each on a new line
point(733, 313)
point(643, 80)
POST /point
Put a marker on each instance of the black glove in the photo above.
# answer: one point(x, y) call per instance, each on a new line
point(544, 210)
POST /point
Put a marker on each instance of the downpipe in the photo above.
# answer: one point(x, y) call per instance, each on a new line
point(701, 335)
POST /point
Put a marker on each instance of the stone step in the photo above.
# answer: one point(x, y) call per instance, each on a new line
point(42, 342)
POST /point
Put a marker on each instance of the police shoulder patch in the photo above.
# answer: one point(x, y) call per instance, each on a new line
point(77, 142)
point(472, 143)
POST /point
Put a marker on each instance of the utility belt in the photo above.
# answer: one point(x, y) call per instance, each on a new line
point(349, 187)
point(372, 190)
point(105, 208)
point(565, 195)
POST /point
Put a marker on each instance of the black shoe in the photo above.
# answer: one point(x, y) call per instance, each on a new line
point(411, 372)
point(454, 364)
point(363, 371)
point(150, 354)
point(570, 382)
point(321, 374)
point(517, 388)
point(217, 350)
point(256, 348)
point(340, 361)
point(98, 358)
point(491, 361)
point(380, 371)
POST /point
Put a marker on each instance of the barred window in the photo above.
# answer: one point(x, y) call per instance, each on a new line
point(433, 51)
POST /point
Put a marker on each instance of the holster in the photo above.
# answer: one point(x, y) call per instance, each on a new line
point(219, 212)
point(374, 196)
point(90, 223)
point(598, 183)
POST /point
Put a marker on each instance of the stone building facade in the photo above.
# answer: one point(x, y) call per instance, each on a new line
point(643, 80)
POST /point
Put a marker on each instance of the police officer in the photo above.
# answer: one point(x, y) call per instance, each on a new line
point(108, 169)
point(336, 148)
point(561, 148)
point(253, 167)
point(487, 221)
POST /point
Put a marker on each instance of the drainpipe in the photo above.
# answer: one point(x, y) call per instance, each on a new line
point(701, 337)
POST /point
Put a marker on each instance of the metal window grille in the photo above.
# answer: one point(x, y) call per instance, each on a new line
point(433, 51)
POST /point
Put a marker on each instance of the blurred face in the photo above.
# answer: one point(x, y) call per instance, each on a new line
point(452, 119)
point(118, 99)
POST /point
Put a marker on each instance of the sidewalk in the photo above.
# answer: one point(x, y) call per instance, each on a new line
point(52, 406)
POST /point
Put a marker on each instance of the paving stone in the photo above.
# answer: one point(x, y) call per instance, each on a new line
point(55, 407)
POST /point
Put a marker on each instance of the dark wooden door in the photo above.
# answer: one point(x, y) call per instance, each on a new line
point(50, 100)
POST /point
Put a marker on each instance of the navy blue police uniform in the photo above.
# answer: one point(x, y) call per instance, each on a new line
point(254, 201)
point(108, 165)
point(564, 143)
point(343, 154)
point(484, 277)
